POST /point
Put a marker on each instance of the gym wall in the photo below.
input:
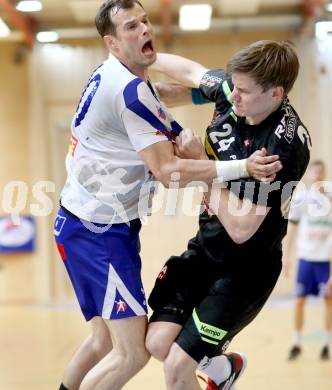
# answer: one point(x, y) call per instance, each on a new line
point(39, 96)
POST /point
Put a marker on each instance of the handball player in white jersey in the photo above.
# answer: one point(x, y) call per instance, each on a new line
point(123, 139)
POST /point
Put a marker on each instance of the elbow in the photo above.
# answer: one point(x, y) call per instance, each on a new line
point(169, 173)
point(165, 182)
point(164, 176)
point(163, 179)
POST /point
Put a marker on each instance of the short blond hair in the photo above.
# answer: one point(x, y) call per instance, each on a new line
point(269, 63)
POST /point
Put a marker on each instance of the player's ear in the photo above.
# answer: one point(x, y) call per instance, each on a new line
point(278, 93)
point(110, 42)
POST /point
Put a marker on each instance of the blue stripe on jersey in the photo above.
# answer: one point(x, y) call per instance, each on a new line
point(132, 102)
point(176, 127)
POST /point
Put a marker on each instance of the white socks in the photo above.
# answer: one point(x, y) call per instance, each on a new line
point(217, 368)
point(326, 338)
point(297, 338)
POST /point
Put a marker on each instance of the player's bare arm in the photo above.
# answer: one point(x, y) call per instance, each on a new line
point(174, 94)
point(259, 165)
point(241, 218)
point(163, 163)
point(224, 203)
point(183, 70)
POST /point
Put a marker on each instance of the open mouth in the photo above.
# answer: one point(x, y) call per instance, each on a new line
point(148, 48)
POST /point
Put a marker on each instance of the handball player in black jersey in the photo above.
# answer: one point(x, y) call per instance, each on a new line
point(204, 297)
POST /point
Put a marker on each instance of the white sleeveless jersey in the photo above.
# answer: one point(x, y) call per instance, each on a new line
point(313, 211)
point(118, 116)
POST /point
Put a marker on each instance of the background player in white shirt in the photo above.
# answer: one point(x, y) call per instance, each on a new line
point(122, 137)
point(311, 228)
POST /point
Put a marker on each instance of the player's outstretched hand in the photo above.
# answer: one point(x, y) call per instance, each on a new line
point(189, 145)
point(263, 167)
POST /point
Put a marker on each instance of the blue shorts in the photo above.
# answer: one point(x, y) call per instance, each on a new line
point(312, 277)
point(104, 267)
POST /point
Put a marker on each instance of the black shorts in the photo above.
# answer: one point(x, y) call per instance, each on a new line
point(212, 301)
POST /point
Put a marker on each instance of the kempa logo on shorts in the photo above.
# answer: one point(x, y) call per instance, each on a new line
point(210, 332)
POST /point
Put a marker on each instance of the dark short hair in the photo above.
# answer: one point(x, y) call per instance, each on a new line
point(103, 19)
point(317, 162)
point(269, 63)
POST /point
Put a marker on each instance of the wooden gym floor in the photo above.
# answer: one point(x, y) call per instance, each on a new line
point(36, 341)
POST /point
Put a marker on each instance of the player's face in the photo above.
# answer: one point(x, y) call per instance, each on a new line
point(250, 100)
point(134, 40)
point(316, 173)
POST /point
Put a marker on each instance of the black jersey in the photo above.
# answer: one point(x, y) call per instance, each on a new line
point(228, 137)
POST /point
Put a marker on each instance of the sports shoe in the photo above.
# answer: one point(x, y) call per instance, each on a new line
point(325, 353)
point(238, 363)
point(294, 352)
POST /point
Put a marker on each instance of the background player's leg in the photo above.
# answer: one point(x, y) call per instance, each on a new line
point(298, 326)
point(160, 337)
point(127, 357)
point(299, 314)
point(325, 353)
point(92, 350)
point(322, 276)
